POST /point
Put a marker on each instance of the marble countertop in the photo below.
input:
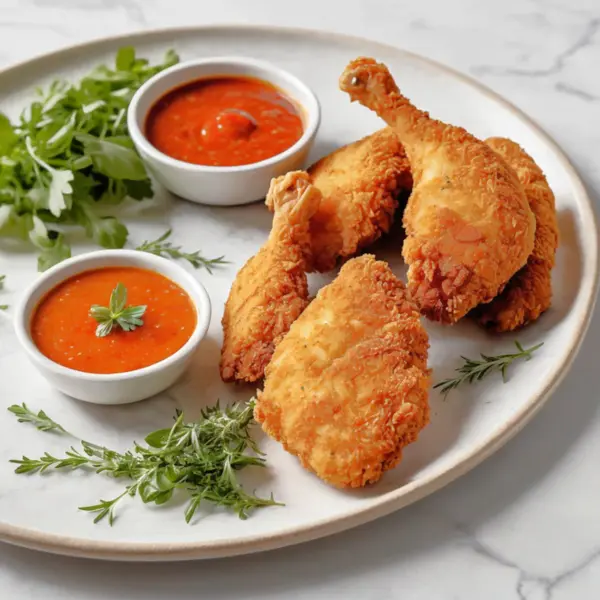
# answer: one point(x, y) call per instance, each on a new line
point(525, 524)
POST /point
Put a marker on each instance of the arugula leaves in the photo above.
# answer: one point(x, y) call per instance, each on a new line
point(70, 153)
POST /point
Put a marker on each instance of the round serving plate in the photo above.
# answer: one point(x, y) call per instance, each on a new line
point(472, 423)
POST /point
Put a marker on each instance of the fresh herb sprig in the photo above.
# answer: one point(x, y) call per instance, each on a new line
point(475, 370)
point(161, 247)
point(40, 419)
point(117, 313)
point(201, 458)
point(69, 159)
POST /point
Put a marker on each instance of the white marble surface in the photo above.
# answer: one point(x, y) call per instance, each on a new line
point(525, 524)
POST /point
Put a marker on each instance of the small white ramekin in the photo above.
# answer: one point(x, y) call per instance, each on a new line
point(221, 186)
point(117, 388)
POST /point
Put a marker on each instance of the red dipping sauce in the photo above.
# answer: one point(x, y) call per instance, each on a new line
point(224, 122)
point(63, 330)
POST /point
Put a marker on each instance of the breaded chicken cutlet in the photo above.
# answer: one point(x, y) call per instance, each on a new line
point(347, 388)
point(468, 223)
point(529, 293)
point(270, 290)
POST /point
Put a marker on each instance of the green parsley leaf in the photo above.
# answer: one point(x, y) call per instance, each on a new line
point(54, 254)
point(107, 232)
point(8, 136)
point(125, 58)
point(113, 160)
point(52, 245)
point(138, 190)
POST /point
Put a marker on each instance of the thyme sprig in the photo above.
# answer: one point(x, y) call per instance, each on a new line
point(200, 458)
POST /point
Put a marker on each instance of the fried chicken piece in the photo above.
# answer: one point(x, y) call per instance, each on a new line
point(347, 388)
point(468, 223)
point(270, 290)
point(529, 293)
point(360, 183)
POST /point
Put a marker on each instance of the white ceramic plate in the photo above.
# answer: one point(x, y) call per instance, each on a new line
point(41, 512)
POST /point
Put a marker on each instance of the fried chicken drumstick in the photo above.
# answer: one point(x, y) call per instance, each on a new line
point(347, 388)
point(270, 291)
point(468, 223)
point(529, 292)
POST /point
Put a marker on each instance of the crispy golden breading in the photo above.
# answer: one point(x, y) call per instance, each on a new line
point(360, 184)
point(270, 291)
point(348, 386)
point(529, 293)
point(468, 223)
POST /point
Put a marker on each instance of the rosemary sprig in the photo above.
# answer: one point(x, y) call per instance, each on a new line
point(160, 247)
point(116, 313)
point(475, 370)
point(41, 420)
point(200, 458)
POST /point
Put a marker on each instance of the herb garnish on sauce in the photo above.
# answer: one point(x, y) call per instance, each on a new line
point(127, 318)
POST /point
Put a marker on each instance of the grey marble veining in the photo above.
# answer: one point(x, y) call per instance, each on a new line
point(557, 63)
point(524, 525)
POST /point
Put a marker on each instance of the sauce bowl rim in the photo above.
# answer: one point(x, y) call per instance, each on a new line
point(313, 113)
point(45, 283)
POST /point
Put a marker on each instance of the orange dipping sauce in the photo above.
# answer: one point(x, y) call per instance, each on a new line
point(63, 330)
point(224, 122)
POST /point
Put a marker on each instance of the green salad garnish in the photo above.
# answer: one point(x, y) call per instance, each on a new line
point(69, 158)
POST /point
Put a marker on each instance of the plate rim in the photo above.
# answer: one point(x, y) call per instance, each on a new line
point(391, 501)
